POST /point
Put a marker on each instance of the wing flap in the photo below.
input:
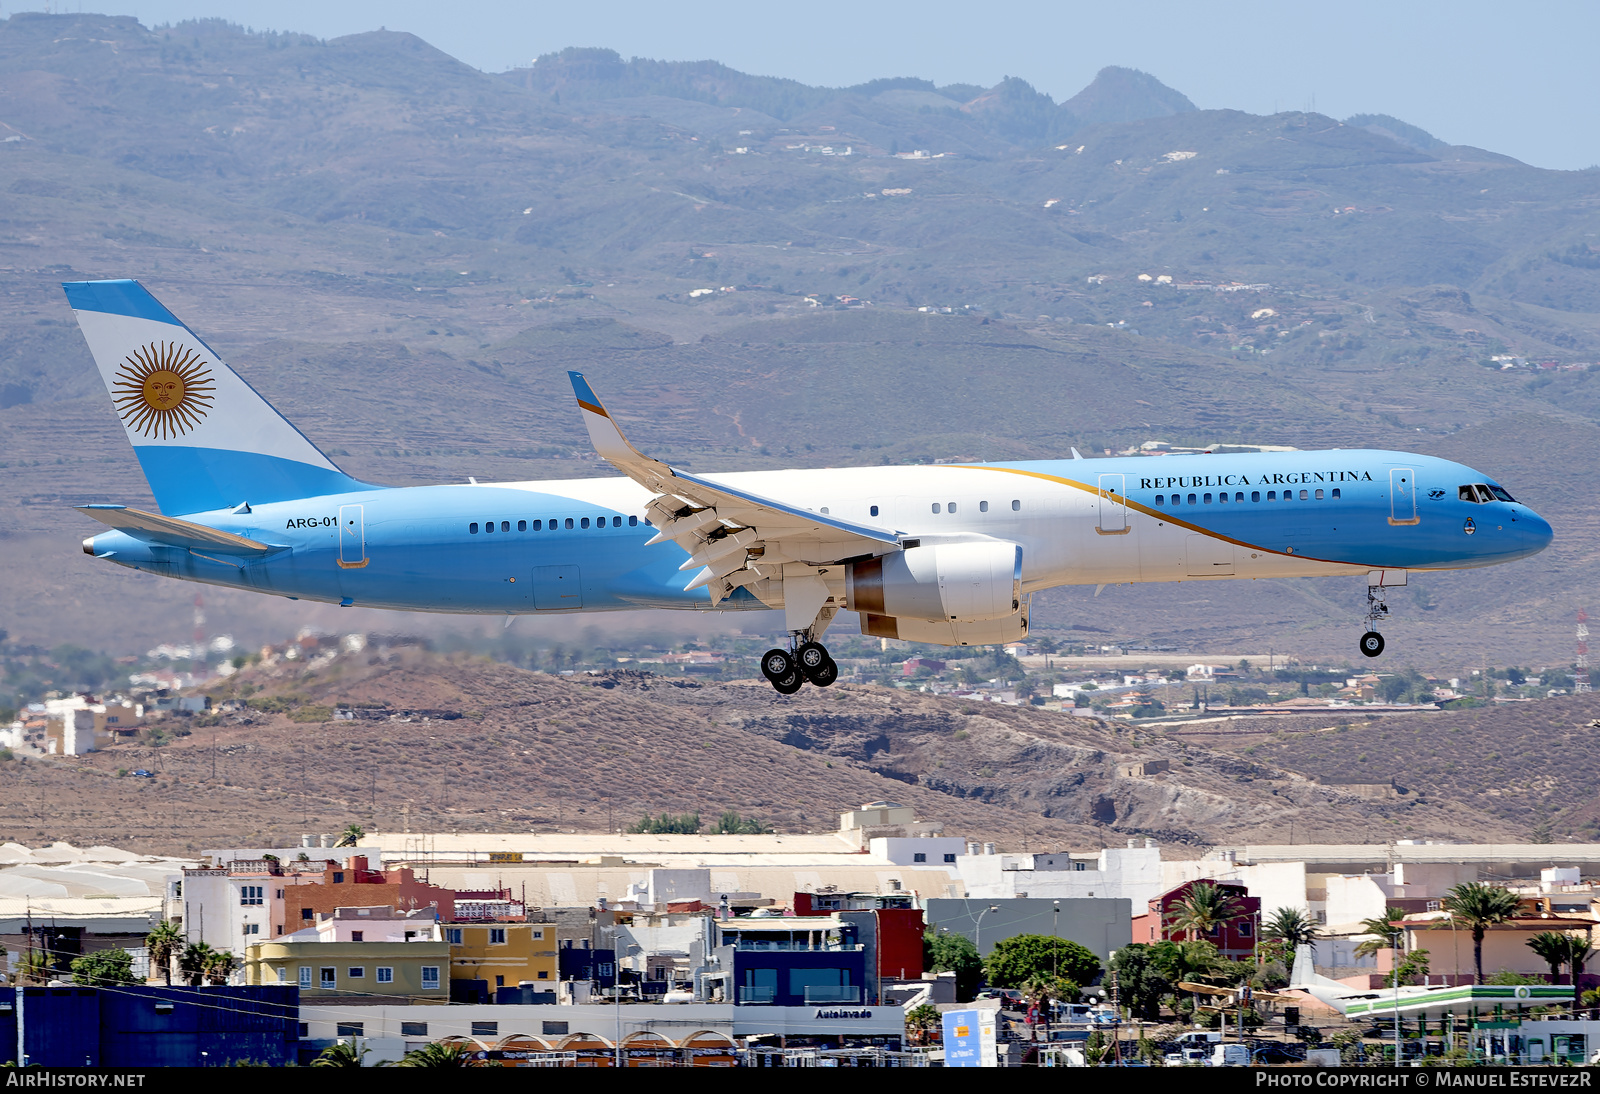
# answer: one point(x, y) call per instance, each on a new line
point(173, 532)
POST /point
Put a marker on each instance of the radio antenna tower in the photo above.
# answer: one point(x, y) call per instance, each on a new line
point(1580, 675)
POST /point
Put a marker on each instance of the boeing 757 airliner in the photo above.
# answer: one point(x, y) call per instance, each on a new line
point(948, 554)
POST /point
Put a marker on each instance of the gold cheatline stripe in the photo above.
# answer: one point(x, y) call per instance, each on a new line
point(591, 408)
point(1167, 517)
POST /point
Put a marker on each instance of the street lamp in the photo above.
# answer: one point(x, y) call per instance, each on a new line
point(979, 930)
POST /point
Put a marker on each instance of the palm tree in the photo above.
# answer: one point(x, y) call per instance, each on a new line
point(1579, 950)
point(162, 942)
point(1385, 933)
point(1293, 928)
point(1480, 906)
point(220, 967)
point(1552, 948)
point(436, 1055)
point(340, 1054)
point(34, 967)
point(351, 836)
point(921, 1021)
point(1204, 908)
point(194, 960)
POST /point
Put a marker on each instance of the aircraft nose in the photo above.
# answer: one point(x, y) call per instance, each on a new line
point(1535, 531)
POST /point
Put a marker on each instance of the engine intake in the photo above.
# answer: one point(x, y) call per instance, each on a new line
point(945, 581)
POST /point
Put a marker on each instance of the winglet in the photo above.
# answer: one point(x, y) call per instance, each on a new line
point(609, 442)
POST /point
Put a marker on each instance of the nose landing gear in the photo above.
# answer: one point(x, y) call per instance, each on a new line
point(1377, 608)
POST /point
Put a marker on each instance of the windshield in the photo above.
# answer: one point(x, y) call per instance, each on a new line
point(1501, 493)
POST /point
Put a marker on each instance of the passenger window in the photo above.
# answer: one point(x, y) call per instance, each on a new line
point(505, 526)
point(824, 510)
point(569, 522)
point(1502, 494)
point(538, 526)
point(983, 507)
point(633, 522)
point(1303, 496)
point(1272, 495)
point(488, 526)
point(1222, 498)
point(1239, 496)
point(1208, 499)
point(616, 522)
point(473, 527)
point(935, 507)
point(1319, 495)
point(1335, 491)
point(1016, 505)
point(522, 526)
point(951, 507)
point(874, 510)
point(584, 523)
point(1255, 495)
point(1191, 499)
point(1158, 498)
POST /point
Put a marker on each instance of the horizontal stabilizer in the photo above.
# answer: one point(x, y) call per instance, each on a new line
point(174, 532)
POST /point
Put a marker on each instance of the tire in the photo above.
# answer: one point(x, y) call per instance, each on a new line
point(811, 656)
point(1372, 643)
point(825, 674)
point(777, 665)
point(791, 683)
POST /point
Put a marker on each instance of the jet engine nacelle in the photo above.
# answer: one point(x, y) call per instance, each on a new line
point(950, 582)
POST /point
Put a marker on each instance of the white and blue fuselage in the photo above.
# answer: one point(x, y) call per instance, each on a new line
point(289, 523)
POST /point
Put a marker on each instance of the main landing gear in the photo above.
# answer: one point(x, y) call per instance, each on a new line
point(789, 671)
point(1377, 611)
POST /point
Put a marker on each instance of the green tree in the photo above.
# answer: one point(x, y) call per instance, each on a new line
point(1204, 908)
point(1480, 906)
point(351, 836)
point(193, 962)
point(340, 1054)
point(1384, 933)
point(1414, 965)
point(1140, 984)
point(1293, 928)
point(220, 967)
point(34, 967)
point(1552, 947)
point(668, 824)
point(162, 942)
point(921, 1022)
point(1015, 961)
point(103, 968)
point(731, 823)
point(437, 1055)
point(946, 951)
point(1579, 950)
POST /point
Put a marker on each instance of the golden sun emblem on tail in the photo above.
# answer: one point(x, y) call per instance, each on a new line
point(163, 390)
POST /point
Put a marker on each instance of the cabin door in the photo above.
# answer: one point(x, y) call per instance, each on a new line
point(1113, 506)
point(352, 537)
point(1403, 496)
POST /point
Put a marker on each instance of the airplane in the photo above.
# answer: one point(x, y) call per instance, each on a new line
point(949, 554)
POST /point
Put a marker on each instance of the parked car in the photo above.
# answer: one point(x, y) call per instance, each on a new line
point(141, 773)
point(1232, 1054)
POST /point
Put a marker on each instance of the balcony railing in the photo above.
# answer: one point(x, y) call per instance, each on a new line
point(832, 993)
point(761, 946)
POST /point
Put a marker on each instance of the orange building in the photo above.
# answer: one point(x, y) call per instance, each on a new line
point(353, 884)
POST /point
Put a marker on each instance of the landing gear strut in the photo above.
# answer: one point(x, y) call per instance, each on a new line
point(809, 662)
point(1377, 611)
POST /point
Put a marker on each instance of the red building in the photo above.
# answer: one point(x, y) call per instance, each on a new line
point(353, 884)
point(896, 928)
point(1235, 938)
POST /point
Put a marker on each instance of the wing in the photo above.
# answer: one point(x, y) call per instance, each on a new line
point(733, 537)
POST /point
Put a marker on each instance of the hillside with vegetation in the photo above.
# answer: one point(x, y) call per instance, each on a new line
point(401, 737)
point(404, 254)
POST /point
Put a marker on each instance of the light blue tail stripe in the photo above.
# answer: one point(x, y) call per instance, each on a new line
point(198, 480)
point(124, 297)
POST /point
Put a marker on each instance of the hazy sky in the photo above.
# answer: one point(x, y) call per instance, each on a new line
point(1514, 78)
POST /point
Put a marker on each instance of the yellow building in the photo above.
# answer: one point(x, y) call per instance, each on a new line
point(354, 972)
point(503, 954)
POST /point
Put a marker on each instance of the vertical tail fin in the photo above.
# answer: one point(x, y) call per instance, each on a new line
point(205, 439)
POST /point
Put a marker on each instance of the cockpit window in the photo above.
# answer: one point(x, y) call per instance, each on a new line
point(1484, 493)
point(1478, 493)
point(1500, 493)
point(1467, 493)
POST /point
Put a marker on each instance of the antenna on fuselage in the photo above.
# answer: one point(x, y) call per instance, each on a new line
point(1076, 454)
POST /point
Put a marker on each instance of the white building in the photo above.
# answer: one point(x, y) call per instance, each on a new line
point(1132, 873)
